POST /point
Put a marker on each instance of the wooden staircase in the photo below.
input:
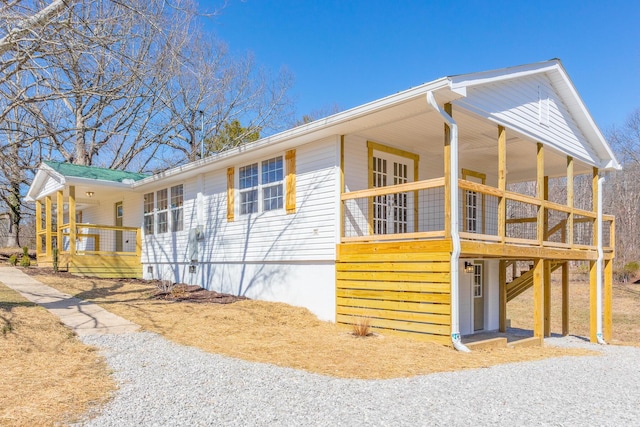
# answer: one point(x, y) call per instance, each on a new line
point(520, 284)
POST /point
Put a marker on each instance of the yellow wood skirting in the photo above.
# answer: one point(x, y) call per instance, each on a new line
point(401, 287)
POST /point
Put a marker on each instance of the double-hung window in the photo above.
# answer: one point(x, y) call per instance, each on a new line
point(163, 210)
point(149, 213)
point(261, 186)
point(272, 191)
point(161, 214)
point(177, 199)
point(248, 189)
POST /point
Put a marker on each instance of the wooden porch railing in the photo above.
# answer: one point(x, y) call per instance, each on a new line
point(375, 215)
point(92, 239)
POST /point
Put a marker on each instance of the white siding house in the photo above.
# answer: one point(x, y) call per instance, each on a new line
point(395, 210)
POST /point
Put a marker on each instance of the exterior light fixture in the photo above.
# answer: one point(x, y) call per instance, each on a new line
point(89, 193)
point(468, 267)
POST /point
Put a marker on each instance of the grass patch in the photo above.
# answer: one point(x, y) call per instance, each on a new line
point(48, 376)
point(283, 335)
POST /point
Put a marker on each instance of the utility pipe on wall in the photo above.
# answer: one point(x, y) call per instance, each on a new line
point(455, 236)
point(599, 266)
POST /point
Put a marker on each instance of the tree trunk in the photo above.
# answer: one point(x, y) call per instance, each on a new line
point(15, 215)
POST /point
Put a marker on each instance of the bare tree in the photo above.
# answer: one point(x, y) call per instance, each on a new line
point(122, 85)
point(212, 89)
point(623, 197)
point(78, 78)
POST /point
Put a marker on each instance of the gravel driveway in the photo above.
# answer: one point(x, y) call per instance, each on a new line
point(166, 384)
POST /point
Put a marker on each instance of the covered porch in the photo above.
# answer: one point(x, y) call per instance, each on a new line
point(82, 223)
point(507, 199)
point(65, 243)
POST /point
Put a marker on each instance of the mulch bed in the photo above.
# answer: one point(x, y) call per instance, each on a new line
point(179, 293)
point(193, 293)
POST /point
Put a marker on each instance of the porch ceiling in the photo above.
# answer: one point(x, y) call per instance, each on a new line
point(418, 128)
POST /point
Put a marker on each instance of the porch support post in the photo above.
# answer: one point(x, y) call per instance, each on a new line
point(342, 188)
point(47, 223)
point(594, 189)
point(447, 173)
point(38, 227)
point(502, 278)
point(502, 183)
point(370, 185)
point(545, 219)
point(540, 192)
point(60, 219)
point(538, 298)
point(139, 244)
point(565, 298)
point(72, 220)
point(608, 296)
point(570, 200)
point(547, 298)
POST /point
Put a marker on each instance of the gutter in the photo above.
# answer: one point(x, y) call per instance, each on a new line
point(599, 261)
point(455, 236)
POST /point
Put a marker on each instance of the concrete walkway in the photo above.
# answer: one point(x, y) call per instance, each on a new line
point(83, 317)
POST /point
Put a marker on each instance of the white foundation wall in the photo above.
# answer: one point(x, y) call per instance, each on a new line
point(310, 285)
point(491, 297)
point(270, 256)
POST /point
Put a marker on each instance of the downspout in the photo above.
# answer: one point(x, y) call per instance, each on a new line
point(455, 236)
point(599, 266)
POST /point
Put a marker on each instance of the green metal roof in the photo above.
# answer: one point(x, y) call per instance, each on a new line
point(92, 172)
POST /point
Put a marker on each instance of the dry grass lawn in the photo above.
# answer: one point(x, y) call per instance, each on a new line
point(283, 335)
point(48, 376)
point(625, 307)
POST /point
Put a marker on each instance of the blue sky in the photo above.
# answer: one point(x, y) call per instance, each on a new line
point(351, 52)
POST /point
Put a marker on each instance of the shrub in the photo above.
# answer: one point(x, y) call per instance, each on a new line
point(25, 261)
point(362, 327)
point(13, 260)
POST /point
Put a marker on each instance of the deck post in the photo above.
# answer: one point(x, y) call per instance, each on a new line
point(72, 220)
point(447, 173)
point(540, 192)
point(538, 298)
point(545, 216)
point(565, 298)
point(47, 222)
point(341, 188)
point(38, 227)
point(370, 230)
point(60, 219)
point(502, 278)
point(547, 298)
point(608, 296)
point(570, 200)
point(502, 182)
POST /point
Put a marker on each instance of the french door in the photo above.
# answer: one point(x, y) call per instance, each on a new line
point(391, 212)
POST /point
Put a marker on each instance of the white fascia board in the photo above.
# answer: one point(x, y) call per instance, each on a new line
point(586, 122)
point(74, 180)
point(44, 173)
point(460, 82)
point(299, 135)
